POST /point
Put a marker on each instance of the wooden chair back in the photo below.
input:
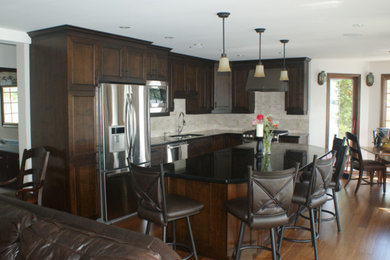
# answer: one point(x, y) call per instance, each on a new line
point(32, 174)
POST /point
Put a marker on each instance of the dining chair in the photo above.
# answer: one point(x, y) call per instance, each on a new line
point(155, 206)
point(31, 176)
point(358, 163)
point(266, 206)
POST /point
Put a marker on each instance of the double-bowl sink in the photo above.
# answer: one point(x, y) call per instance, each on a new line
point(184, 136)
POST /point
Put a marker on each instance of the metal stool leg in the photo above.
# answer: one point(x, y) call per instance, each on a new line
point(280, 239)
point(237, 252)
point(313, 233)
point(173, 235)
point(164, 234)
point(272, 234)
point(336, 210)
point(192, 238)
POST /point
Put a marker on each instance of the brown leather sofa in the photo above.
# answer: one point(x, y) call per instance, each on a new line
point(28, 231)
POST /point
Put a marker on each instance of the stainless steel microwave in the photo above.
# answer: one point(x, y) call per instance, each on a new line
point(158, 96)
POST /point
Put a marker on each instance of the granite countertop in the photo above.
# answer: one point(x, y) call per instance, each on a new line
point(230, 165)
point(199, 134)
point(10, 146)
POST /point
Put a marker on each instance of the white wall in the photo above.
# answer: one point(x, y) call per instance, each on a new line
point(317, 99)
point(377, 68)
point(8, 60)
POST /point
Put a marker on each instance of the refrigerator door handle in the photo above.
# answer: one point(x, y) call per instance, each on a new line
point(133, 125)
point(127, 125)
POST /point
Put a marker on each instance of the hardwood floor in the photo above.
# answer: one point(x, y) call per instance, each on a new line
point(365, 235)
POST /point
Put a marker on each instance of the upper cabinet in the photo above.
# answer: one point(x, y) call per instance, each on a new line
point(124, 62)
point(193, 79)
point(242, 101)
point(156, 63)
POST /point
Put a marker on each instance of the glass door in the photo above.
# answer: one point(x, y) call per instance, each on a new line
point(342, 106)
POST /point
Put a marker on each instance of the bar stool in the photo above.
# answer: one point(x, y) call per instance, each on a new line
point(311, 195)
point(266, 206)
point(159, 208)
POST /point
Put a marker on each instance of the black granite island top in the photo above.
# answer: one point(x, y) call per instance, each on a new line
point(230, 165)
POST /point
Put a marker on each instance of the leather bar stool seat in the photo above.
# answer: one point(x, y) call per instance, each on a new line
point(239, 208)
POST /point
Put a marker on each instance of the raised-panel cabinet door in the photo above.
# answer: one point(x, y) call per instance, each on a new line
point(242, 100)
point(134, 62)
point(178, 78)
point(83, 61)
point(83, 179)
point(111, 60)
point(157, 65)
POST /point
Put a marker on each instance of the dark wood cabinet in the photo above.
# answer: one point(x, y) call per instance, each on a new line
point(296, 139)
point(156, 63)
point(209, 144)
point(192, 78)
point(64, 74)
point(242, 101)
point(9, 167)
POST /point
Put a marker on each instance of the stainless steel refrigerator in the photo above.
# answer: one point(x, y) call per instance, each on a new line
point(124, 131)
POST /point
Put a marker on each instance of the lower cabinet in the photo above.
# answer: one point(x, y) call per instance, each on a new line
point(296, 139)
point(204, 145)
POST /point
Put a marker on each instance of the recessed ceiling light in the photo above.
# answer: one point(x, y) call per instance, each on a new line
point(352, 34)
point(197, 46)
point(124, 27)
point(169, 37)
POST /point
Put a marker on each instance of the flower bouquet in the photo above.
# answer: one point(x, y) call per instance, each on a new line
point(267, 126)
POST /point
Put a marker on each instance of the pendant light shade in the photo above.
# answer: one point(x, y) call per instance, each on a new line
point(284, 72)
point(259, 71)
point(224, 65)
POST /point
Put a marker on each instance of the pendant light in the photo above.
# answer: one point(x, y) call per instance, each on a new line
point(224, 65)
point(259, 71)
point(284, 73)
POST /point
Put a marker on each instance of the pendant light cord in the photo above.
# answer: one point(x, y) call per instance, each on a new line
point(223, 37)
point(284, 55)
point(259, 48)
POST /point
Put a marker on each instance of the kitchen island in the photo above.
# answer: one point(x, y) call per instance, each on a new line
point(219, 176)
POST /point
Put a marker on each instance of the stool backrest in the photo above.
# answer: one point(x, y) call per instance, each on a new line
point(270, 193)
point(148, 185)
point(341, 160)
point(321, 175)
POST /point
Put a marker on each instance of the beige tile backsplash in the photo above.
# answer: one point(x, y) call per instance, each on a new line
point(266, 103)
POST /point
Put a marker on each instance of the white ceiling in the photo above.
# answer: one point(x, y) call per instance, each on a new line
point(316, 28)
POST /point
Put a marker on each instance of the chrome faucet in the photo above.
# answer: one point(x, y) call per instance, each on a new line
point(180, 123)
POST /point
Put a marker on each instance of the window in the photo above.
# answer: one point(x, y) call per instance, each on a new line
point(385, 111)
point(9, 97)
point(9, 100)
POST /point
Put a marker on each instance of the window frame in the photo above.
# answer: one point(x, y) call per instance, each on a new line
point(384, 79)
point(11, 73)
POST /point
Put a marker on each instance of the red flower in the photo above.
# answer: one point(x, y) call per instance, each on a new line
point(260, 117)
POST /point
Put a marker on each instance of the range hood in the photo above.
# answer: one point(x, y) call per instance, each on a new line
point(271, 82)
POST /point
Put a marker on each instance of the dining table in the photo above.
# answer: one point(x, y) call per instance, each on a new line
point(222, 175)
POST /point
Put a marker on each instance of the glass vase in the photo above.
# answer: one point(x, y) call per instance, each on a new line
point(267, 143)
